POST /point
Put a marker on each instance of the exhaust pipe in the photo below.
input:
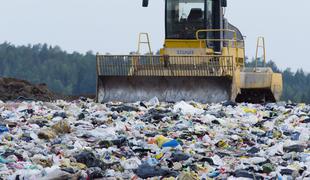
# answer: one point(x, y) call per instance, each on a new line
point(145, 3)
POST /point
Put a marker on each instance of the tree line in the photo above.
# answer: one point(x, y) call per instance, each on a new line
point(296, 85)
point(75, 73)
point(64, 73)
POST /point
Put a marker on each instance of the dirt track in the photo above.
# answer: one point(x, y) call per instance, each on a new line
point(14, 89)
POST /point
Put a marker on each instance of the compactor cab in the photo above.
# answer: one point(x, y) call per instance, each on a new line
point(202, 60)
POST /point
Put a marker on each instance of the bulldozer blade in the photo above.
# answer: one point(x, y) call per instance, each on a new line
point(166, 89)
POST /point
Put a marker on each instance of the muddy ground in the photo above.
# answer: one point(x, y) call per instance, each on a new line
point(12, 89)
point(15, 89)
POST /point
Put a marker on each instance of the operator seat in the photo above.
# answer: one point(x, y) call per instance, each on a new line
point(195, 15)
point(194, 22)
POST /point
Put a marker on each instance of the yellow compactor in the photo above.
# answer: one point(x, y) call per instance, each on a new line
point(203, 59)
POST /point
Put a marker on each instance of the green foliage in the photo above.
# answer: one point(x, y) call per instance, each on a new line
point(296, 85)
point(63, 72)
point(75, 73)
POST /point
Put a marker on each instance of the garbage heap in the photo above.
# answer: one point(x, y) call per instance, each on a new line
point(153, 140)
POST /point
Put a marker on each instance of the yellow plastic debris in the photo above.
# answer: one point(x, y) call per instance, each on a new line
point(159, 156)
point(249, 110)
point(222, 144)
point(160, 140)
point(277, 134)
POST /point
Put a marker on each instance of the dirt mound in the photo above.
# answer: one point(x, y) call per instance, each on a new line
point(15, 89)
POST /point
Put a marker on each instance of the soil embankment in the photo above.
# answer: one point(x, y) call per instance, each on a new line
point(15, 89)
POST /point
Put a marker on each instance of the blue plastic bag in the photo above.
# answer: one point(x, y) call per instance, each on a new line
point(3, 129)
point(172, 143)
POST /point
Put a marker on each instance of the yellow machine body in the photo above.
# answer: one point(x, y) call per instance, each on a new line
point(205, 69)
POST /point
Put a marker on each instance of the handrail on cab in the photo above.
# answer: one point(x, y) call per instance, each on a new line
point(234, 40)
point(215, 30)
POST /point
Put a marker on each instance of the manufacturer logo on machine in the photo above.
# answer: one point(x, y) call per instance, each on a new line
point(185, 52)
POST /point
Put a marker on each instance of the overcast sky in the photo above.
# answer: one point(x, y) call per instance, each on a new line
point(113, 25)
